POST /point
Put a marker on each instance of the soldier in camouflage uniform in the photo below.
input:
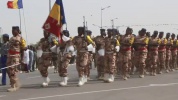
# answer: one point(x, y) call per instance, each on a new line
point(100, 44)
point(125, 52)
point(142, 41)
point(177, 56)
point(81, 44)
point(90, 56)
point(168, 53)
point(110, 56)
point(67, 55)
point(153, 53)
point(174, 52)
point(161, 52)
point(16, 46)
point(46, 58)
point(148, 56)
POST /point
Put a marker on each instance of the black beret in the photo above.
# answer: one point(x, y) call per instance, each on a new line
point(15, 28)
point(109, 30)
point(102, 30)
point(143, 30)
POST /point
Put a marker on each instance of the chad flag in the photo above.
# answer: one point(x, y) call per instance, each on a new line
point(55, 19)
point(16, 4)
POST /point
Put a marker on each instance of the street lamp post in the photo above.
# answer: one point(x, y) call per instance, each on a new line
point(112, 21)
point(102, 14)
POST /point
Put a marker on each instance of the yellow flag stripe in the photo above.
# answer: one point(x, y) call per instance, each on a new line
point(55, 12)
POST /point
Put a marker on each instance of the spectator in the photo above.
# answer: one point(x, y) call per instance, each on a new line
point(25, 61)
point(4, 51)
point(31, 56)
point(34, 59)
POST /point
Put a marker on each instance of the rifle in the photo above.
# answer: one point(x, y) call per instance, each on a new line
point(85, 34)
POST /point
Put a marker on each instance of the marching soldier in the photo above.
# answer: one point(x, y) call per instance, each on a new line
point(82, 54)
point(110, 56)
point(174, 52)
point(16, 46)
point(46, 58)
point(100, 45)
point(161, 52)
point(168, 53)
point(142, 41)
point(90, 55)
point(125, 53)
point(148, 56)
point(153, 53)
point(177, 55)
point(67, 55)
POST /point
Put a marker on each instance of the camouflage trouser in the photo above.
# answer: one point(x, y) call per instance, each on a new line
point(148, 61)
point(100, 65)
point(44, 63)
point(12, 71)
point(141, 62)
point(54, 61)
point(161, 60)
point(174, 59)
point(89, 65)
point(136, 60)
point(153, 61)
point(81, 63)
point(132, 66)
point(110, 63)
point(64, 64)
point(168, 59)
point(125, 59)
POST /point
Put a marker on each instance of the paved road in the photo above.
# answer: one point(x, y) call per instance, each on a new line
point(161, 87)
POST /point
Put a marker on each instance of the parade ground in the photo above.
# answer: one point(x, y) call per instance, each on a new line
point(160, 87)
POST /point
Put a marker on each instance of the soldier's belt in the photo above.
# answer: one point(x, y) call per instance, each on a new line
point(174, 49)
point(142, 49)
point(155, 49)
point(11, 52)
point(126, 49)
point(162, 48)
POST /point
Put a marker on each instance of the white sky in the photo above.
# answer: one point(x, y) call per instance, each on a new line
point(128, 12)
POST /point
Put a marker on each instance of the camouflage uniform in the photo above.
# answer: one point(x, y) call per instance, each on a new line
point(109, 59)
point(174, 54)
point(45, 60)
point(99, 40)
point(15, 46)
point(65, 60)
point(168, 54)
point(82, 55)
point(162, 55)
point(125, 55)
point(153, 54)
point(141, 53)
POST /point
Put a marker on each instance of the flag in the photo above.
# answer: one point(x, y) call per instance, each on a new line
point(56, 19)
point(16, 4)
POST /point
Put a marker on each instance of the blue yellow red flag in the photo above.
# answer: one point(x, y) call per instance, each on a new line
point(15, 4)
point(56, 19)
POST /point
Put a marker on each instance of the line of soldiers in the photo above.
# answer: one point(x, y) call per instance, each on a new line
point(114, 54)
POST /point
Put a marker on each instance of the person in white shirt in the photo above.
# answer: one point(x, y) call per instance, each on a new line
point(25, 60)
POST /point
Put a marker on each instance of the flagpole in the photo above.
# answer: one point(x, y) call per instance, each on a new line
point(20, 18)
point(49, 6)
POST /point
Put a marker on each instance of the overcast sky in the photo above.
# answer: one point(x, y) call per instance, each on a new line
point(128, 12)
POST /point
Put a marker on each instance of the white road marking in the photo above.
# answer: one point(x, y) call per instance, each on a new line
point(2, 96)
point(100, 91)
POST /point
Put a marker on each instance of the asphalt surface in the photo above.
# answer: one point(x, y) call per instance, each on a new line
point(160, 87)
